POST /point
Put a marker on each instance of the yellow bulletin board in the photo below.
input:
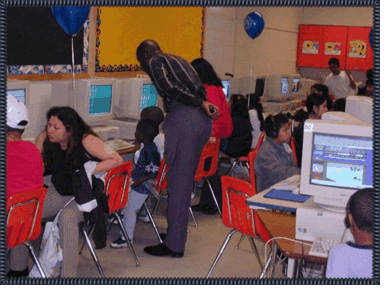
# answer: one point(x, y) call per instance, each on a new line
point(119, 31)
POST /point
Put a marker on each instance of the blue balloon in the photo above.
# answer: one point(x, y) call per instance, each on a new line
point(71, 18)
point(254, 24)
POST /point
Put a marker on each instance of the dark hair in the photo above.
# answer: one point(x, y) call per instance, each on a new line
point(324, 91)
point(314, 100)
point(256, 105)
point(339, 105)
point(152, 113)
point(369, 74)
point(334, 61)
point(360, 206)
point(9, 129)
point(274, 123)
point(239, 105)
point(75, 125)
point(206, 72)
point(369, 82)
point(148, 128)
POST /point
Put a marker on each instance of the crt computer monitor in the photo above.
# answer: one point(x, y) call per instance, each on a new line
point(226, 88)
point(19, 89)
point(360, 107)
point(294, 81)
point(337, 161)
point(94, 99)
point(277, 87)
point(252, 85)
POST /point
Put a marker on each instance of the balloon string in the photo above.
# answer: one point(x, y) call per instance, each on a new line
point(73, 69)
point(250, 79)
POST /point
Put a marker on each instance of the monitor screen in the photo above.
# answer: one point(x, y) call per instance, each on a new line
point(259, 89)
point(341, 161)
point(19, 94)
point(148, 96)
point(284, 85)
point(295, 85)
point(226, 87)
point(100, 99)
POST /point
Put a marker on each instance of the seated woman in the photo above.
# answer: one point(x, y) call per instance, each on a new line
point(323, 90)
point(222, 128)
point(274, 160)
point(66, 145)
point(24, 172)
point(256, 117)
point(316, 105)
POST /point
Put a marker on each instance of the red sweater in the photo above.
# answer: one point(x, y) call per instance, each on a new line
point(222, 125)
point(24, 167)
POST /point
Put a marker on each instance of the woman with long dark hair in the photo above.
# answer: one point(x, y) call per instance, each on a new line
point(66, 145)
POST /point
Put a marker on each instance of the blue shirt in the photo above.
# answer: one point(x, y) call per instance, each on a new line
point(147, 165)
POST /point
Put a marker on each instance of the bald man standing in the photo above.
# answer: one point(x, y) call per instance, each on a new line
point(187, 128)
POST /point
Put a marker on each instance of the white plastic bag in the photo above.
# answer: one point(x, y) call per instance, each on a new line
point(51, 254)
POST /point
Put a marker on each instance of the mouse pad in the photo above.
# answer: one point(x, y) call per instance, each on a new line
point(286, 195)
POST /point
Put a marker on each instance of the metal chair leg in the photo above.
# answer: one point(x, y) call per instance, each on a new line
point(127, 239)
point(90, 233)
point(254, 248)
point(241, 239)
point(213, 195)
point(232, 166)
point(233, 231)
point(37, 262)
point(93, 253)
point(157, 202)
point(193, 216)
point(152, 221)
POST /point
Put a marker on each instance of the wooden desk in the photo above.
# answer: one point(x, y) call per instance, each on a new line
point(127, 150)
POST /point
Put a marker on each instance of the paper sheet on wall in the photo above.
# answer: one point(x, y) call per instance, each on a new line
point(357, 49)
point(310, 47)
point(332, 48)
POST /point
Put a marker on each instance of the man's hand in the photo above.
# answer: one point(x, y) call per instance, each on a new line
point(212, 140)
point(211, 110)
point(352, 83)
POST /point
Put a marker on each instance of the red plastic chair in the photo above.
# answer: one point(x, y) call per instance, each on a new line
point(238, 215)
point(260, 141)
point(116, 188)
point(293, 147)
point(24, 211)
point(251, 165)
point(210, 151)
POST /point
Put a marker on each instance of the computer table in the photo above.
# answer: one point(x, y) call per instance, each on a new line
point(282, 225)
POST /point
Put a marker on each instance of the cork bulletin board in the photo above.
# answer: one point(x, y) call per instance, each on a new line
point(119, 30)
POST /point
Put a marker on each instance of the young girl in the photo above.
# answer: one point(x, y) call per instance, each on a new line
point(256, 117)
point(66, 145)
point(274, 160)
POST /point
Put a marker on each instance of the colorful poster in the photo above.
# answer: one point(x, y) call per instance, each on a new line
point(332, 48)
point(310, 47)
point(357, 49)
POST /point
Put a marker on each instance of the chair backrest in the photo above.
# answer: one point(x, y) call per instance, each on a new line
point(236, 213)
point(161, 179)
point(116, 186)
point(293, 147)
point(251, 163)
point(261, 140)
point(210, 152)
point(24, 211)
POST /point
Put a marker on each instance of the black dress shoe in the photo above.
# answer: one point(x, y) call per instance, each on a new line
point(210, 211)
point(163, 235)
point(161, 251)
point(198, 207)
point(17, 274)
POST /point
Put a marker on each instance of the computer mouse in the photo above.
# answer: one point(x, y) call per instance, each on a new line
point(296, 191)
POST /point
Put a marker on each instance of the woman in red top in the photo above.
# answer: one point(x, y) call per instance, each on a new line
point(24, 171)
point(222, 128)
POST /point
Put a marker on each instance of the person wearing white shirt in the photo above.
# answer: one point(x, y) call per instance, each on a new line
point(339, 82)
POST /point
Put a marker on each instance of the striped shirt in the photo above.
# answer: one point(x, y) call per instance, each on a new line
point(176, 81)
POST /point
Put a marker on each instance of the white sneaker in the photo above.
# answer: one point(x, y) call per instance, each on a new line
point(145, 219)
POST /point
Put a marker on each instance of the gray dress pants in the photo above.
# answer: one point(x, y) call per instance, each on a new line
point(187, 129)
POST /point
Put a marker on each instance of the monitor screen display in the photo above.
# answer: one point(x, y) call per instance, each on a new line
point(259, 89)
point(341, 161)
point(100, 99)
point(19, 94)
point(284, 85)
point(226, 86)
point(295, 85)
point(148, 96)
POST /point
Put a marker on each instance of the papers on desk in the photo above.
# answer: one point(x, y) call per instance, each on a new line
point(286, 195)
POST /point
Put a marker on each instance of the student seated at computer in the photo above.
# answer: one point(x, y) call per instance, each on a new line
point(322, 89)
point(143, 177)
point(257, 119)
point(354, 260)
point(316, 105)
point(66, 145)
point(24, 172)
point(274, 160)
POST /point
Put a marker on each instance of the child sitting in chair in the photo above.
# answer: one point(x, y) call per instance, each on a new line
point(143, 176)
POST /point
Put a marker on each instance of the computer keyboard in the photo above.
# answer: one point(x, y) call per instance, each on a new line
point(322, 246)
point(119, 144)
point(289, 184)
